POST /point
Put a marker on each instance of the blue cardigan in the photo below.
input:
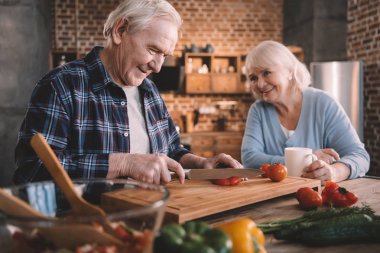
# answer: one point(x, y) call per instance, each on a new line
point(323, 124)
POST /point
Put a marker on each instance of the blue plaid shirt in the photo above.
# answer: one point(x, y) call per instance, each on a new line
point(83, 116)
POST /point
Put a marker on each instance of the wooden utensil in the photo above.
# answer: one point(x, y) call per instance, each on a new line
point(14, 206)
point(79, 205)
point(80, 234)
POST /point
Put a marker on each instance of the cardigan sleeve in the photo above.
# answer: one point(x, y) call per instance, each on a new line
point(341, 136)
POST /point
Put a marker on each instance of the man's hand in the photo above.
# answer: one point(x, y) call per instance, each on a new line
point(150, 168)
point(221, 161)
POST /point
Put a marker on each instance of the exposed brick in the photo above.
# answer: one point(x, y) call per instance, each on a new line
point(362, 44)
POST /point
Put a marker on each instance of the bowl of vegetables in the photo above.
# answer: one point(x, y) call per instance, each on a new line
point(133, 215)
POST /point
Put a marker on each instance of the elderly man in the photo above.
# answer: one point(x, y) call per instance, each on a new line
point(102, 116)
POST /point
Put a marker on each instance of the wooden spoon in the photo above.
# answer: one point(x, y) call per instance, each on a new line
point(14, 206)
point(79, 205)
point(80, 234)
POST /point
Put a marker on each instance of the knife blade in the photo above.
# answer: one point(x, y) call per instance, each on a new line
point(221, 173)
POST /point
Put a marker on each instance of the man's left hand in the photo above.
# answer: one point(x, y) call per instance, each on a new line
point(221, 161)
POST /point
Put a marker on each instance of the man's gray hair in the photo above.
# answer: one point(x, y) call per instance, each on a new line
point(137, 15)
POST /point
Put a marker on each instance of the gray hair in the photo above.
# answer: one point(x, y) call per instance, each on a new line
point(139, 13)
point(270, 53)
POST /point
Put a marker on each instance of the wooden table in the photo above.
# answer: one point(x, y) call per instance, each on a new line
point(286, 207)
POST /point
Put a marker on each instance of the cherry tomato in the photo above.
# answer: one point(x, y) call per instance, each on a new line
point(308, 198)
point(277, 172)
point(122, 233)
point(327, 192)
point(264, 168)
point(231, 181)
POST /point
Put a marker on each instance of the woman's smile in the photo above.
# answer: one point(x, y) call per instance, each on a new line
point(267, 90)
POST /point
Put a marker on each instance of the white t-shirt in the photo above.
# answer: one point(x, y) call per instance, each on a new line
point(139, 140)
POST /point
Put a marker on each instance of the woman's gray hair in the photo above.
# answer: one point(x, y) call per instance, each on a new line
point(139, 13)
point(271, 53)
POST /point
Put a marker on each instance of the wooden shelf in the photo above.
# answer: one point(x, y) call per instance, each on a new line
point(213, 73)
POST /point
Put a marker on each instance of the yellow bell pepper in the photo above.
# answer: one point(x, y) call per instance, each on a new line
point(246, 237)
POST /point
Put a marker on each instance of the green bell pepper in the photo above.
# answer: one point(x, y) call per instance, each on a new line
point(192, 237)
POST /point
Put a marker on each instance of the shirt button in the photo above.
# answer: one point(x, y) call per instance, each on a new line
point(126, 134)
point(122, 103)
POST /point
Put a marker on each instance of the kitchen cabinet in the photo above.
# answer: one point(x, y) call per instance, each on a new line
point(213, 73)
point(198, 83)
point(209, 144)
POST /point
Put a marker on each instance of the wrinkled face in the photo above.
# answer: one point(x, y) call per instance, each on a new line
point(144, 52)
point(270, 84)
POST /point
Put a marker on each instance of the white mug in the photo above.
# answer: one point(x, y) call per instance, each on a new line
point(297, 159)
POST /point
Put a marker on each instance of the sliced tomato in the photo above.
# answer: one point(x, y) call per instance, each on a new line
point(231, 181)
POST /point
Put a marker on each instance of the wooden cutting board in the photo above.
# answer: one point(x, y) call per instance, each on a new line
point(199, 198)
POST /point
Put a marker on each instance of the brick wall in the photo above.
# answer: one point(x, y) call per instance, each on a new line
point(231, 26)
point(363, 43)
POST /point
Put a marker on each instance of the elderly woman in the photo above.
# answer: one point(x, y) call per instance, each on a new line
point(288, 113)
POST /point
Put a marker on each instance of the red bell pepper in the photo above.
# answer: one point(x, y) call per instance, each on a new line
point(337, 196)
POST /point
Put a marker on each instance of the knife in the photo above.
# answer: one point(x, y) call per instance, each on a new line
point(220, 173)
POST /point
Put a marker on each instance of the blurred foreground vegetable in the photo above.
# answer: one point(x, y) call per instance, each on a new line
point(245, 235)
point(328, 226)
point(192, 237)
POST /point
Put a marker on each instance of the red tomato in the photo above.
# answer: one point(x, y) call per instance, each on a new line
point(277, 172)
point(330, 188)
point(337, 196)
point(231, 181)
point(308, 198)
point(122, 233)
point(343, 198)
point(264, 168)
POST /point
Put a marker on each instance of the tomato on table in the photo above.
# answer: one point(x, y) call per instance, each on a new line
point(308, 198)
point(337, 196)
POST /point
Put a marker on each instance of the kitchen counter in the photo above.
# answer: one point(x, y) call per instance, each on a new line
point(286, 207)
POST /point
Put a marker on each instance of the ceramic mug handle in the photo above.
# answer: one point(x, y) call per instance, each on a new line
point(313, 157)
